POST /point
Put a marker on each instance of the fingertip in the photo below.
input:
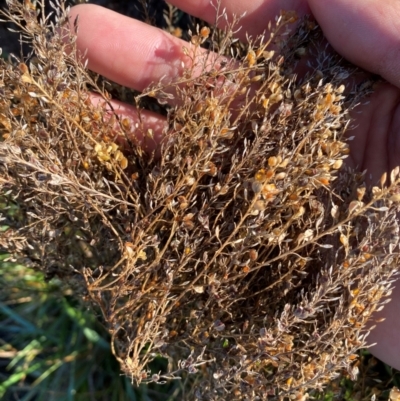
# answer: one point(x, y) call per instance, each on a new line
point(82, 10)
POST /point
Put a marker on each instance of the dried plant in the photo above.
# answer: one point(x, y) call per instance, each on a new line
point(244, 247)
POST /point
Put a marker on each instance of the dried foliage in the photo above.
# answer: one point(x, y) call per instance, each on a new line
point(245, 248)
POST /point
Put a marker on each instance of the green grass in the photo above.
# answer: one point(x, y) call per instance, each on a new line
point(52, 349)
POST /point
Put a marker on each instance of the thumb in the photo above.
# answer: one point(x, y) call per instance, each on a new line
point(365, 32)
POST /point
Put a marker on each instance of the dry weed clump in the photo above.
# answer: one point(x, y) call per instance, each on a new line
point(245, 249)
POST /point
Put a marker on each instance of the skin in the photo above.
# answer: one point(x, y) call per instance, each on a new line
point(366, 32)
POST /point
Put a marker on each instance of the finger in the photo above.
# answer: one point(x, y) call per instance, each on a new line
point(366, 32)
point(144, 128)
point(258, 12)
point(135, 55)
point(127, 51)
point(386, 333)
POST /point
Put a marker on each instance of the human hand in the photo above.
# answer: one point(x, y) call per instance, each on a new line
point(366, 32)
